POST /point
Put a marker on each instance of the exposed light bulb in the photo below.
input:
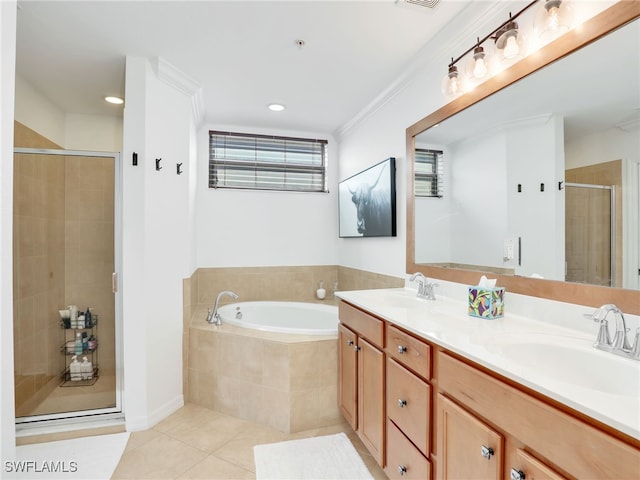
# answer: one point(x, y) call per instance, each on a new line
point(553, 20)
point(511, 49)
point(453, 87)
point(480, 68)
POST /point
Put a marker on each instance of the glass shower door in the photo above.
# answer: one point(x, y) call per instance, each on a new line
point(65, 226)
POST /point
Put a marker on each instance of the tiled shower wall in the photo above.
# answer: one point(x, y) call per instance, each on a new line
point(295, 283)
point(38, 270)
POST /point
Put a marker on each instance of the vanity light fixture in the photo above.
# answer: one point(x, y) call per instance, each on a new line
point(507, 40)
point(553, 19)
point(276, 107)
point(114, 100)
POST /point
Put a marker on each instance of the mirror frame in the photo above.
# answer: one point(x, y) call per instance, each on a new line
point(619, 14)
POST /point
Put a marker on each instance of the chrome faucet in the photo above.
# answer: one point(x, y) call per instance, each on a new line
point(213, 316)
point(426, 289)
point(620, 343)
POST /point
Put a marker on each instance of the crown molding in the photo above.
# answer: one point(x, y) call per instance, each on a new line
point(475, 17)
point(183, 83)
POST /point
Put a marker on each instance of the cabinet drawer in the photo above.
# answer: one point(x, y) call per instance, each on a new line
point(409, 404)
point(363, 324)
point(410, 351)
point(531, 467)
point(575, 446)
point(404, 461)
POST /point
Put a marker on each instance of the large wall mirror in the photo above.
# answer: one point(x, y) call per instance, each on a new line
point(541, 173)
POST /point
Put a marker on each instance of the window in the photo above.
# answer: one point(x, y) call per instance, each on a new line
point(428, 173)
point(265, 162)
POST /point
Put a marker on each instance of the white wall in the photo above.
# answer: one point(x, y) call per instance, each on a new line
point(237, 228)
point(7, 74)
point(93, 132)
point(40, 114)
point(156, 243)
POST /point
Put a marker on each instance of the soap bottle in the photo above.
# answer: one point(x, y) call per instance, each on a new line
point(92, 342)
point(80, 320)
point(73, 315)
point(86, 369)
point(85, 342)
point(321, 292)
point(78, 344)
point(88, 320)
point(74, 369)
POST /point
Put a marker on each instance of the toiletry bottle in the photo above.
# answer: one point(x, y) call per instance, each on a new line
point(321, 292)
point(81, 320)
point(74, 369)
point(73, 315)
point(92, 343)
point(85, 342)
point(78, 344)
point(86, 369)
point(88, 320)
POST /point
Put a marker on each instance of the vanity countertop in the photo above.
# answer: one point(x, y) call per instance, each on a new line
point(554, 360)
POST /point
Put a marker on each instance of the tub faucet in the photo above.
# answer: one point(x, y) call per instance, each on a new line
point(620, 343)
point(213, 316)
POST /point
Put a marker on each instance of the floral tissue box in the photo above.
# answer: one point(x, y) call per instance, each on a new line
point(486, 302)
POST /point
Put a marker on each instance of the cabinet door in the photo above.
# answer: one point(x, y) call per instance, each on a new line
point(467, 448)
point(371, 399)
point(348, 385)
point(404, 461)
point(529, 467)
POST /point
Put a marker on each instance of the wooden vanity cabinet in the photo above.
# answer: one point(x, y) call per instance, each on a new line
point(533, 439)
point(362, 375)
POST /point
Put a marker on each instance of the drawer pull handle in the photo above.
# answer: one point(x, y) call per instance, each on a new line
point(486, 452)
point(402, 403)
point(517, 474)
point(402, 470)
point(357, 348)
point(402, 349)
point(350, 343)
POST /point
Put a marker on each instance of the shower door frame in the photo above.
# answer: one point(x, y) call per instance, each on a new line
point(61, 419)
point(612, 223)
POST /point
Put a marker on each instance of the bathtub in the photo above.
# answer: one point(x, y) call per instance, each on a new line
point(277, 365)
point(282, 317)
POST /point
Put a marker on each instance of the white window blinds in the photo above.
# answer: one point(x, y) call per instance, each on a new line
point(428, 173)
point(264, 162)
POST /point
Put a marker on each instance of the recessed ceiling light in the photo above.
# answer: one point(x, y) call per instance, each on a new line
point(114, 100)
point(276, 107)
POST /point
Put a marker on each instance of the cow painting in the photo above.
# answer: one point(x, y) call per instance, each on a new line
point(372, 197)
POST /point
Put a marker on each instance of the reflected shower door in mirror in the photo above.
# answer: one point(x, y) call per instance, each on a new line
point(507, 161)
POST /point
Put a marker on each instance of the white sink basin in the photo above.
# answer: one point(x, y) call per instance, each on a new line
point(572, 362)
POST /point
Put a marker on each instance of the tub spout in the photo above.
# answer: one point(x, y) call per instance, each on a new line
point(212, 315)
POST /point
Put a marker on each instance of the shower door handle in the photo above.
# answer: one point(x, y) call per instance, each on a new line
point(114, 282)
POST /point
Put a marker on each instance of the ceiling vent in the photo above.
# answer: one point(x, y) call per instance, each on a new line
point(419, 3)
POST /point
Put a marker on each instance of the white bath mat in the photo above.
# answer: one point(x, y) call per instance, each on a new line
point(332, 457)
point(93, 457)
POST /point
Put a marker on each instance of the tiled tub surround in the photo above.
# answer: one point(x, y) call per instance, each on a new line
point(288, 382)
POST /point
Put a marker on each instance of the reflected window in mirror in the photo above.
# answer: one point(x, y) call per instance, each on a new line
point(429, 173)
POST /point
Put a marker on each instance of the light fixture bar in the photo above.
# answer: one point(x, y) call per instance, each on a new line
point(491, 35)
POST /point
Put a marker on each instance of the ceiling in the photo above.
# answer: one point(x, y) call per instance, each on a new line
point(243, 54)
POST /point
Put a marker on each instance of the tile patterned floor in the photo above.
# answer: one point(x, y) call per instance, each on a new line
point(196, 442)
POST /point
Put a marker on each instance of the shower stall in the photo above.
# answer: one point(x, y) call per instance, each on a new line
point(66, 223)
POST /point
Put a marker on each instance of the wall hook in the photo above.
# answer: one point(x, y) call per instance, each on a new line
point(135, 159)
point(560, 186)
point(542, 187)
point(178, 168)
point(158, 167)
point(519, 188)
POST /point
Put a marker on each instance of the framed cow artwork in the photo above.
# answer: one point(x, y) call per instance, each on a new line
point(367, 202)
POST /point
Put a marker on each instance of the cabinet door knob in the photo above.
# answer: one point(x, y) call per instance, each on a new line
point(486, 452)
point(350, 343)
point(402, 469)
point(402, 403)
point(401, 349)
point(357, 348)
point(517, 474)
